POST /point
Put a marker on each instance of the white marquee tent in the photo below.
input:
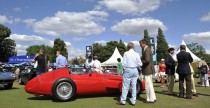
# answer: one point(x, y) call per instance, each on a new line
point(195, 58)
point(113, 59)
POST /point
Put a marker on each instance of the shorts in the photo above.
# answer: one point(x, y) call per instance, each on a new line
point(162, 74)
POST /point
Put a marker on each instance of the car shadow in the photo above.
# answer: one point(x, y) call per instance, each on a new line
point(41, 97)
point(2, 88)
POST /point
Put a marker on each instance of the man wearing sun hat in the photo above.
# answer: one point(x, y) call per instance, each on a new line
point(170, 70)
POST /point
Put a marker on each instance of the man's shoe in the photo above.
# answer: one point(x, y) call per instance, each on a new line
point(181, 96)
point(131, 104)
point(188, 97)
point(119, 103)
point(148, 102)
point(196, 95)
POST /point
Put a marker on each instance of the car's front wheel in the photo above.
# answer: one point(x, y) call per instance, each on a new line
point(8, 85)
point(63, 90)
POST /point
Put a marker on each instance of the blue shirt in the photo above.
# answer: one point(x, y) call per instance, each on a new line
point(61, 61)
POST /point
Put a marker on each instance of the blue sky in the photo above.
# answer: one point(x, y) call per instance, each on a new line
point(83, 22)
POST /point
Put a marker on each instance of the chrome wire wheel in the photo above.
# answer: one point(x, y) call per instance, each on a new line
point(64, 90)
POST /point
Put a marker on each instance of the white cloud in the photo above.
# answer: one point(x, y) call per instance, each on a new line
point(137, 26)
point(131, 6)
point(173, 46)
point(17, 9)
point(75, 52)
point(79, 39)
point(24, 41)
point(4, 19)
point(67, 23)
point(201, 38)
point(67, 44)
point(205, 18)
point(26, 38)
point(102, 42)
point(29, 22)
point(17, 20)
point(21, 49)
point(208, 51)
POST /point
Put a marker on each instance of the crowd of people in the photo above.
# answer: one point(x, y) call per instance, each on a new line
point(132, 61)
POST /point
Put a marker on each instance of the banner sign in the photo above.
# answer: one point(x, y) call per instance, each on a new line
point(89, 51)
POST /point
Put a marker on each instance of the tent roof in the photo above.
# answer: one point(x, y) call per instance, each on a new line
point(195, 58)
point(113, 59)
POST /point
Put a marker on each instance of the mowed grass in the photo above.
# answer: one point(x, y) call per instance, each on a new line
point(18, 98)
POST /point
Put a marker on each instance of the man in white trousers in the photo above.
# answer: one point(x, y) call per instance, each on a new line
point(131, 61)
point(147, 71)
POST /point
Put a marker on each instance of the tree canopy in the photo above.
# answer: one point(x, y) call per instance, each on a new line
point(147, 37)
point(4, 32)
point(32, 50)
point(7, 46)
point(105, 52)
point(199, 51)
point(162, 45)
point(59, 45)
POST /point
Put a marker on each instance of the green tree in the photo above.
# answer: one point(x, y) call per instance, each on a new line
point(4, 32)
point(59, 45)
point(98, 50)
point(162, 45)
point(7, 50)
point(199, 51)
point(105, 52)
point(6, 45)
point(32, 50)
point(75, 61)
point(147, 37)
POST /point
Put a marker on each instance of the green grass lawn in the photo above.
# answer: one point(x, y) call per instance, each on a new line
point(18, 98)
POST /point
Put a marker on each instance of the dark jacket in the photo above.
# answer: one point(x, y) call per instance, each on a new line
point(170, 65)
point(147, 67)
point(184, 58)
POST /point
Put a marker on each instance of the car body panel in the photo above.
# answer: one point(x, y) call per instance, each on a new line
point(88, 83)
point(6, 77)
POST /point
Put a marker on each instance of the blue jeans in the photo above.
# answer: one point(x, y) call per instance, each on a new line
point(130, 77)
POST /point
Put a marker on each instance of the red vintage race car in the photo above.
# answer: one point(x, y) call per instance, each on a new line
point(62, 85)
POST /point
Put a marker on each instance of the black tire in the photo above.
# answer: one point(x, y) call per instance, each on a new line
point(138, 89)
point(63, 83)
point(8, 85)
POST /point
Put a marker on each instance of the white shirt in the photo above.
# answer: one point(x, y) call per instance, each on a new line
point(89, 64)
point(97, 64)
point(131, 59)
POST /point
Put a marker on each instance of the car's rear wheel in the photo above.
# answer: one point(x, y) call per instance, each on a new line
point(8, 85)
point(138, 89)
point(63, 90)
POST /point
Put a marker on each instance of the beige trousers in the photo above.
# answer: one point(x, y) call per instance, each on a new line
point(170, 84)
point(150, 93)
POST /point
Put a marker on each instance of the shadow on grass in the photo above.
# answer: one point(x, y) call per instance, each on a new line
point(2, 88)
point(164, 92)
point(203, 94)
point(40, 98)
